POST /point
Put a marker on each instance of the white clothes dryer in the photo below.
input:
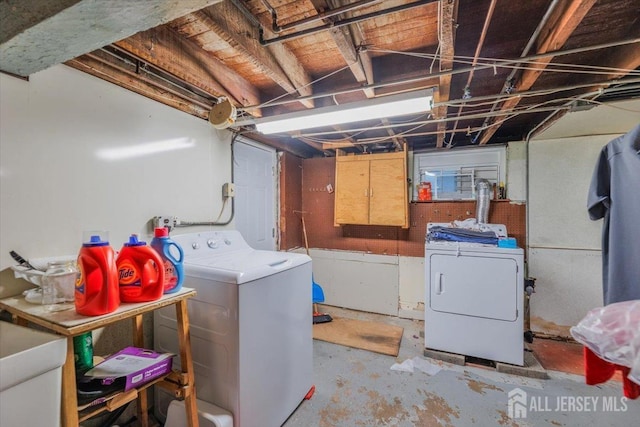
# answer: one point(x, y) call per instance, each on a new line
point(474, 297)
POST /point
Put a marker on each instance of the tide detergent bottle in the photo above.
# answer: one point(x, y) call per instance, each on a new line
point(140, 272)
point(96, 291)
point(172, 257)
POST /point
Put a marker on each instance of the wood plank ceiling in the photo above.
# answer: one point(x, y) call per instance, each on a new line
point(499, 69)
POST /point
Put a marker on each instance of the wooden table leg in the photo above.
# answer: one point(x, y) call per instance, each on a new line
point(184, 339)
point(138, 341)
point(69, 404)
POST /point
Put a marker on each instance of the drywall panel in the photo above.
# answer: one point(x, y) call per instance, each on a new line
point(568, 285)
point(517, 171)
point(560, 174)
point(357, 280)
point(78, 153)
point(411, 287)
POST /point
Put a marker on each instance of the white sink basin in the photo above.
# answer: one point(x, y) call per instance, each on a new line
point(30, 372)
point(26, 353)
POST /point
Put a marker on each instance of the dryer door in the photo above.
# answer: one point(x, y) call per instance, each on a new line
point(473, 284)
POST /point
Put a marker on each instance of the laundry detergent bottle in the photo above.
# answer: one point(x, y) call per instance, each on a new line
point(140, 272)
point(172, 258)
point(96, 291)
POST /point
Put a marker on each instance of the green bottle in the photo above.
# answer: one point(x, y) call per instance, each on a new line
point(83, 352)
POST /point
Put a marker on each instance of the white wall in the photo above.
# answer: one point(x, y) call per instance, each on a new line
point(565, 246)
point(76, 154)
point(73, 158)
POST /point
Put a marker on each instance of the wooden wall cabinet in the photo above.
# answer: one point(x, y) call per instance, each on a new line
point(371, 189)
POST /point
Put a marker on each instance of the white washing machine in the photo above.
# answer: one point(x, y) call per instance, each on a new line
point(251, 327)
point(474, 299)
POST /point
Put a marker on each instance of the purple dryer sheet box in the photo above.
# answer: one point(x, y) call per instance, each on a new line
point(138, 365)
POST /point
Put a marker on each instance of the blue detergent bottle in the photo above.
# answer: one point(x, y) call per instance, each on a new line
point(173, 268)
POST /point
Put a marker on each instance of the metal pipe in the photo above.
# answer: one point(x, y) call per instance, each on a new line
point(507, 88)
point(485, 29)
point(450, 72)
point(341, 23)
point(118, 52)
point(483, 201)
point(274, 16)
point(142, 76)
point(535, 35)
point(233, 204)
point(241, 7)
point(327, 14)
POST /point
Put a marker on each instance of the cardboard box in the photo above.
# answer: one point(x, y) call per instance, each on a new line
point(138, 365)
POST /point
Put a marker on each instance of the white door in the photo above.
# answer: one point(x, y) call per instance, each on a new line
point(255, 200)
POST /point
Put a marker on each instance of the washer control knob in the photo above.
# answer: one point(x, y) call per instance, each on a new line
point(195, 245)
point(227, 242)
point(212, 243)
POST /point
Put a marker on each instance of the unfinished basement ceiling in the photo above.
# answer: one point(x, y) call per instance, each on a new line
point(499, 69)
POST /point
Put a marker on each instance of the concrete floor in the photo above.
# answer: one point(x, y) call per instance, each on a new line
point(357, 388)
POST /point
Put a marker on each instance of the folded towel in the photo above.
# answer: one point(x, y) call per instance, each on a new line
point(462, 235)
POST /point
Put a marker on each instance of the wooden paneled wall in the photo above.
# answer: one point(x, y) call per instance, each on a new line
point(317, 203)
point(290, 201)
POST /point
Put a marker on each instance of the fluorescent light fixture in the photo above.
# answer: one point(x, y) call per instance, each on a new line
point(376, 108)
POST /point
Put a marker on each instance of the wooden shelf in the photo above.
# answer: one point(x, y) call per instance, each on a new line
point(69, 324)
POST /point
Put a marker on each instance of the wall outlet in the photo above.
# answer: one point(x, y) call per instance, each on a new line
point(165, 221)
point(228, 190)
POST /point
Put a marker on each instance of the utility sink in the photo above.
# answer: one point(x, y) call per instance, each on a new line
point(30, 376)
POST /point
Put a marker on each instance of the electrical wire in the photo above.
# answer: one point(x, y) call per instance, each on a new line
point(376, 140)
point(269, 102)
point(502, 63)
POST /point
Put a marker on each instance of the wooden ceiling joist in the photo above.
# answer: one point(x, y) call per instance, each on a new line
point(226, 22)
point(553, 37)
point(447, 22)
point(346, 40)
point(127, 76)
point(182, 58)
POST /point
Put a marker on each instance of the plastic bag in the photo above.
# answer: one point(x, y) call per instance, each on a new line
point(613, 333)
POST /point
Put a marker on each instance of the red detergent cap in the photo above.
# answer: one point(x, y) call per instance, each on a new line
point(161, 232)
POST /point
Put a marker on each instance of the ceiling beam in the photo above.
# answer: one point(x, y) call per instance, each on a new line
point(398, 141)
point(108, 68)
point(446, 37)
point(300, 150)
point(172, 53)
point(225, 22)
point(346, 41)
point(37, 34)
point(553, 36)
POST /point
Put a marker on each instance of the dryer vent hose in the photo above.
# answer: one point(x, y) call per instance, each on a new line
point(483, 199)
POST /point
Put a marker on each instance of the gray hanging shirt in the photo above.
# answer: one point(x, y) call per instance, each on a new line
point(615, 196)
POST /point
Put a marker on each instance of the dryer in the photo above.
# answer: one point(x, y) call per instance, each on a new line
point(251, 327)
point(474, 297)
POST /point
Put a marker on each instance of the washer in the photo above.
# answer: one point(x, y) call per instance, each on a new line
point(251, 327)
point(474, 297)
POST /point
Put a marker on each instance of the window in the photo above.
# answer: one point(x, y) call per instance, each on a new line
point(453, 174)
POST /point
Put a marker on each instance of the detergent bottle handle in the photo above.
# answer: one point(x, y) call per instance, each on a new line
point(169, 255)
